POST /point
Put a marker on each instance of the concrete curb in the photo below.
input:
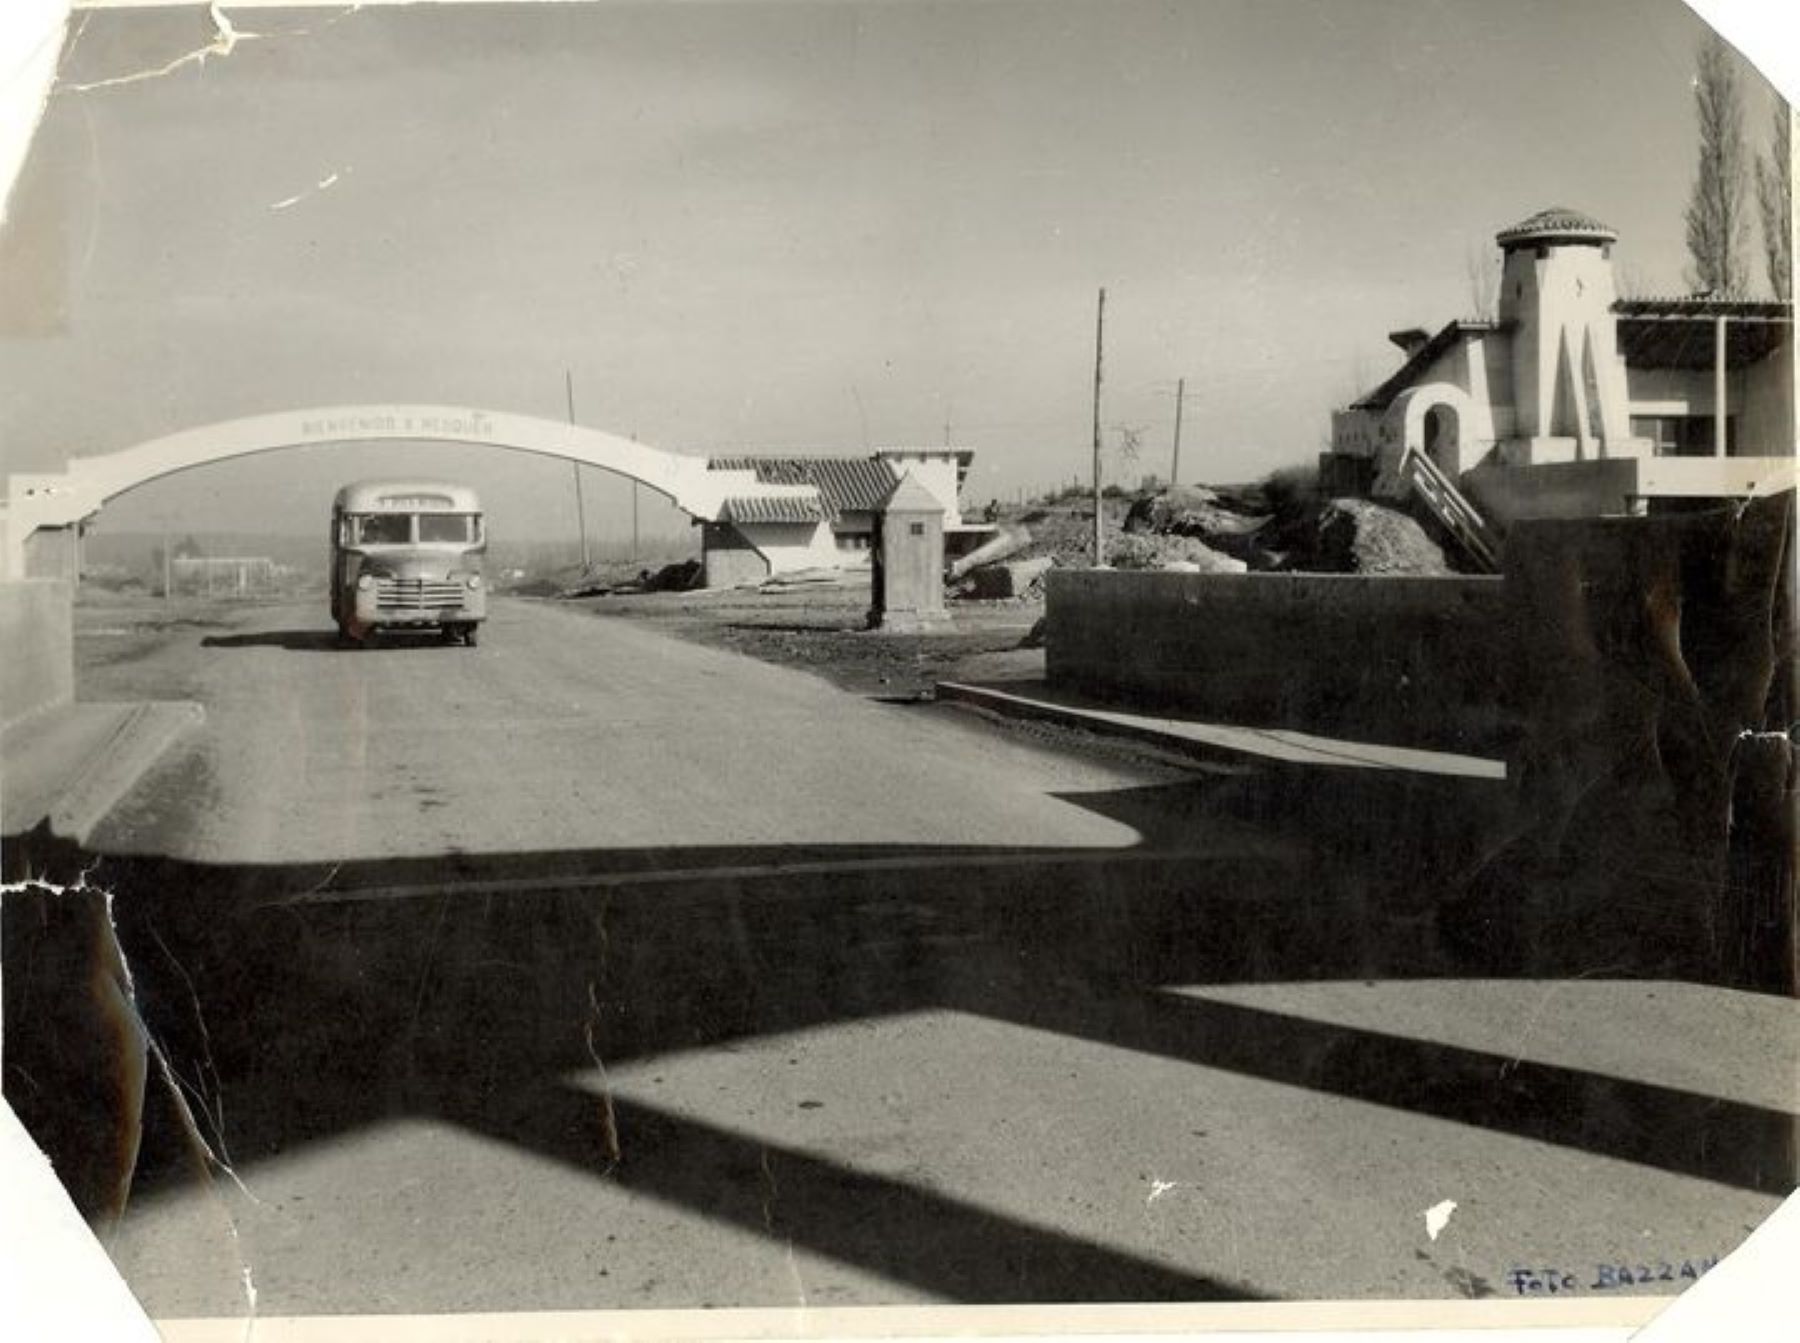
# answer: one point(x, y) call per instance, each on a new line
point(1220, 743)
point(137, 744)
point(1009, 705)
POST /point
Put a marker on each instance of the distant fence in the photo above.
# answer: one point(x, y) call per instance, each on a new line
point(224, 575)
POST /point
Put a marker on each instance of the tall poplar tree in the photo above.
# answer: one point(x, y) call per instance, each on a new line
point(1717, 223)
point(1775, 199)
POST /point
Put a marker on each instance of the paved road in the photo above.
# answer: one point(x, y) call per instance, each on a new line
point(590, 969)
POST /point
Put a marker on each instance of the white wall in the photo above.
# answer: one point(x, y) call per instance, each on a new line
point(1765, 391)
point(793, 546)
point(935, 470)
point(1760, 398)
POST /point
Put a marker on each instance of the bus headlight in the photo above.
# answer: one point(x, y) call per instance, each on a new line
point(364, 582)
point(473, 580)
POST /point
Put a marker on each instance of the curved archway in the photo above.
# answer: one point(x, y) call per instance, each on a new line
point(1436, 420)
point(96, 479)
point(78, 492)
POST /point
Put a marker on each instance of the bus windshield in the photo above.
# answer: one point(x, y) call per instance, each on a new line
point(458, 527)
point(399, 529)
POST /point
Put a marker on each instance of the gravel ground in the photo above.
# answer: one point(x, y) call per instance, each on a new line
point(822, 628)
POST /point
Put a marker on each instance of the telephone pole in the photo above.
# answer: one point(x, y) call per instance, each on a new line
point(1175, 461)
point(580, 506)
point(1099, 514)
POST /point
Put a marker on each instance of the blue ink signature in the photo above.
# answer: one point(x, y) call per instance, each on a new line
point(1607, 1277)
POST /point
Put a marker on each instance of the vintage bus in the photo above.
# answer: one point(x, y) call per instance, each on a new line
point(406, 554)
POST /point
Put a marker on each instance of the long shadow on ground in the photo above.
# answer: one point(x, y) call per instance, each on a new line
point(325, 998)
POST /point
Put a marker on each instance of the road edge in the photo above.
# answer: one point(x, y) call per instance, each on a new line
point(137, 744)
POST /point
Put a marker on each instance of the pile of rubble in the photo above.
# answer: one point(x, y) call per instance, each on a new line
point(1279, 525)
point(1009, 565)
point(600, 581)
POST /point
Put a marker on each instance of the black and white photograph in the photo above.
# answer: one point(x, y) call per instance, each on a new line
point(786, 668)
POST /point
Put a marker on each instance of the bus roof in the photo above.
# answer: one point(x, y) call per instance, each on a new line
point(406, 496)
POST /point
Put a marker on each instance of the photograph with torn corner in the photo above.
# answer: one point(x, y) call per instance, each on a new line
point(671, 656)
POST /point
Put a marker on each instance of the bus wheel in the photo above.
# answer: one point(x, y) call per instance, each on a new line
point(469, 634)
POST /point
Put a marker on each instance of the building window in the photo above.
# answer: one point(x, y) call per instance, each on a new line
point(918, 529)
point(1683, 435)
point(852, 540)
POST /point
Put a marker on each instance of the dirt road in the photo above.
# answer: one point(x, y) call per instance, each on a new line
point(560, 732)
point(588, 968)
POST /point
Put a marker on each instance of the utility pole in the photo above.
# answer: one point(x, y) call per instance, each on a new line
point(1099, 514)
point(1175, 460)
point(634, 511)
point(580, 506)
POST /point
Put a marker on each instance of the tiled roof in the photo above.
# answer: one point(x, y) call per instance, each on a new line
point(1417, 362)
point(1557, 224)
point(1679, 332)
point(847, 484)
point(786, 508)
point(1745, 309)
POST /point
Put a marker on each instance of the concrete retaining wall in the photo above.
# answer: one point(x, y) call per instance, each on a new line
point(37, 647)
point(1640, 676)
point(1657, 677)
point(1408, 661)
point(1507, 494)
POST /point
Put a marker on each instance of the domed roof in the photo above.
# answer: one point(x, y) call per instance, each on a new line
point(1557, 224)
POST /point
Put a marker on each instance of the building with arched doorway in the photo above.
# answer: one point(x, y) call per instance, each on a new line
point(1571, 401)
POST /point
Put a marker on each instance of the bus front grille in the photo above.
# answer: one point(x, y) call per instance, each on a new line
point(416, 595)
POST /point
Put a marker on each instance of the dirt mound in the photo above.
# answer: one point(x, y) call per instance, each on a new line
point(682, 576)
point(1358, 536)
point(1200, 513)
point(1281, 524)
point(1065, 531)
point(1138, 550)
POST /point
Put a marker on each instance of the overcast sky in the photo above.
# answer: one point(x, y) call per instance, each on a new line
point(799, 226)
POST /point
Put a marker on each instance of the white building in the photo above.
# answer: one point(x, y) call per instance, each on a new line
point(831, 526)
point(1573, 401)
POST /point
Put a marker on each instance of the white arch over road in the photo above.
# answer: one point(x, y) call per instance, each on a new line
point(39, 501)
